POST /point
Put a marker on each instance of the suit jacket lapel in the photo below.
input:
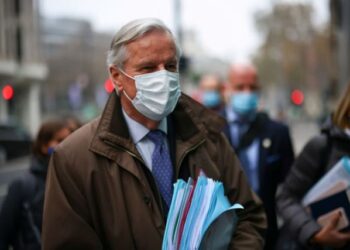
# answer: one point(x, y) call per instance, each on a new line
point(226, 129)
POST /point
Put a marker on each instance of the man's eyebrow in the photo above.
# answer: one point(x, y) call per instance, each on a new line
point(145, 63)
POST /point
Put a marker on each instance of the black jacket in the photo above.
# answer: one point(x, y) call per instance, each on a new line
point(318, 156)
point(21, 212)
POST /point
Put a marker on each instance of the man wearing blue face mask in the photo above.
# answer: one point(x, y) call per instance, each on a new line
point(111, 184)
point(211, 87)
point(263, 146)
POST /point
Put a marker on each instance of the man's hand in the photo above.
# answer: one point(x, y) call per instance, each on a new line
point(330, 236)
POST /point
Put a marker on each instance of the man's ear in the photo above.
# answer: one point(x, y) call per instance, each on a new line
point(115, 76)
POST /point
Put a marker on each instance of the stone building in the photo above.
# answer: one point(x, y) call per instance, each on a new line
point(340, 43)
point(20, 64)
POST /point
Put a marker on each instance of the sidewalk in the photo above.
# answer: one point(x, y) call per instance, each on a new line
point(17, 163)
point(301, 133)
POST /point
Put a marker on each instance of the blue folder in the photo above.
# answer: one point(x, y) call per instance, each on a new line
point(210, 221)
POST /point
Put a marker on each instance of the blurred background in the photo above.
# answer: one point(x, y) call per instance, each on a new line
point(52, 55)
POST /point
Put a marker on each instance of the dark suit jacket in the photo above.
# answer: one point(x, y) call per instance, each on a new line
point(275, 158)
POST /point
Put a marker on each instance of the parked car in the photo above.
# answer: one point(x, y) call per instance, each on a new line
point(14, 142)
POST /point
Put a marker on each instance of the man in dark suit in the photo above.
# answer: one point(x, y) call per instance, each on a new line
point(263, 145)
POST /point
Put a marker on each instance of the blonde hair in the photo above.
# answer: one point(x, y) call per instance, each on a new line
point(341, 116)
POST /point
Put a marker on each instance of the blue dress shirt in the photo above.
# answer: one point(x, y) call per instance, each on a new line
point(249, 157)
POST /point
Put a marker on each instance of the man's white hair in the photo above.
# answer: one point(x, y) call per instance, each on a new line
point(117, 53)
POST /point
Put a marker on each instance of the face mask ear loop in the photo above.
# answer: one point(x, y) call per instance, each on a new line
point(127, 96)
point(124, 73)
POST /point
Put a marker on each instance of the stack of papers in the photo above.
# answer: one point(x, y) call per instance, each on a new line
point(200, 216)
point(331, 195)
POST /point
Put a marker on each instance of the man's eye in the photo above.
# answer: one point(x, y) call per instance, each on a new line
point(147, 68)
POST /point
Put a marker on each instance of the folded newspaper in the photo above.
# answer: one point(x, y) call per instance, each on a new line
point(200, 216)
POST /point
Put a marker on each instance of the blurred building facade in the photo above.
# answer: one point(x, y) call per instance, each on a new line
point(76, 58)
point(21, 66)
point(66, 45)
point(200, 62)
point(340, 27)
point(294, 56)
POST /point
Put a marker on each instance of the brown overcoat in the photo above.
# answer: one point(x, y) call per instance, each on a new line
point(100, 195)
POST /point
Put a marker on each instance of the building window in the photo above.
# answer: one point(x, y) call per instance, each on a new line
point(19, 47)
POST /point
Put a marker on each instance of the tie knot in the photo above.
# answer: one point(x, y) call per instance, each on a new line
point(156, 136)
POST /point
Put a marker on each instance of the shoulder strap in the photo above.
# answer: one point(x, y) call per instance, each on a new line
point(324, 143)
point(326, 146)
point(29, 186)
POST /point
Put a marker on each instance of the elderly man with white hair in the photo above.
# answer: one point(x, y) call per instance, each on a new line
point(110, 184)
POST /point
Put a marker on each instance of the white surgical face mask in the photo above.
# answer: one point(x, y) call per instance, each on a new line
point(157, 93)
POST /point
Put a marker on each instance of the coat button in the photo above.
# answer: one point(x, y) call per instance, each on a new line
point(266, 143)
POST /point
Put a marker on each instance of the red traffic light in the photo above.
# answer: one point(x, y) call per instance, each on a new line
point(7, 92)
point(297, 97)
point(109, 87)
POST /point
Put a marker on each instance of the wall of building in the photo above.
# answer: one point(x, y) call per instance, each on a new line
point(20, 62)
point(340, 26)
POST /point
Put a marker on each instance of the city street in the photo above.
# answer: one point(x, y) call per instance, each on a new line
point(301, 132)
point(145, 94)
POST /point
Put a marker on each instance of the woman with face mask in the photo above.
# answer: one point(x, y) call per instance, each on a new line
point(21, 213)
point(317, 158)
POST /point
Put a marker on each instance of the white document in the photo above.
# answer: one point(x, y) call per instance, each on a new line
point(339, 173)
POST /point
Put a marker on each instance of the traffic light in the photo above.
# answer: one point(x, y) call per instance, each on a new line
point(7, 92)
point(109, 87)
point(297, 97)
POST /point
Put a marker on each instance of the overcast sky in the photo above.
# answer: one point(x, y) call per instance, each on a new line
point(225, 28)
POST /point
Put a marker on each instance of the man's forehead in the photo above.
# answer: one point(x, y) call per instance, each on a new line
point(242, 74)
point(244, 80)
point(152, 40)
point(210, 82)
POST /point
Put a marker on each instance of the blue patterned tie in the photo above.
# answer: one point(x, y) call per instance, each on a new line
point(162, 169)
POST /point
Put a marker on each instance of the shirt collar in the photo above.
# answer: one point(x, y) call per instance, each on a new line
point(231, 116)
point(138, 131)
